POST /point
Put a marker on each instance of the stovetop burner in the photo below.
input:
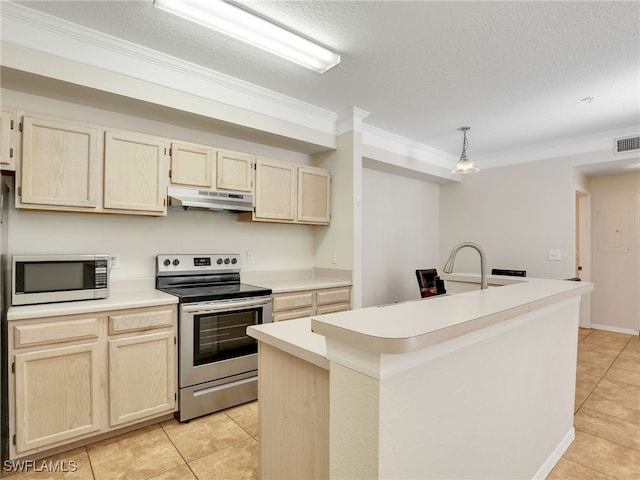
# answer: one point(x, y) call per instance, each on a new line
point(217, 292)
point(202, 278)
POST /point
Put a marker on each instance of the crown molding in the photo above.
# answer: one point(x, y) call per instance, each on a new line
point(40, 32)
point(350, 120)
point(376, 137)
point(597, 142)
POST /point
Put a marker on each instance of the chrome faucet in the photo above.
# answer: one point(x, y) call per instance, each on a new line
point(448, 267)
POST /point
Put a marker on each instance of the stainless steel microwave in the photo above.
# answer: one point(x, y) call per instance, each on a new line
point(58, 278)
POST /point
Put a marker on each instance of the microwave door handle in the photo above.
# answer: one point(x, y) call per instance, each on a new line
point(224, 306)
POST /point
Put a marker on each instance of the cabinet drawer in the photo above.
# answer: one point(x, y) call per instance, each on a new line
point(55, 332)
point(340, 307)
point(141, 320)
point(290, 301)
point(334, 295)
point(291, 314)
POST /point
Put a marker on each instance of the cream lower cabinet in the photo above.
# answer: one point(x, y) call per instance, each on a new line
point(306, 303)
point(75, 377)
point(142, 364)
point(57, 395)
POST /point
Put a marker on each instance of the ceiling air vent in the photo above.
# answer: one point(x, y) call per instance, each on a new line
point(626, 144)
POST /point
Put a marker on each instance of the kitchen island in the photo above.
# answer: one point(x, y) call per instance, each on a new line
point(474, 385)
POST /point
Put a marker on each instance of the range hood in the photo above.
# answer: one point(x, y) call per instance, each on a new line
point(210, 200)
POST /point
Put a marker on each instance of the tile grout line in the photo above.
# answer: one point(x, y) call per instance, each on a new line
point(243, 429)
point(93, 474)
point(587, 397)
point(603, 375)
point(179, 453)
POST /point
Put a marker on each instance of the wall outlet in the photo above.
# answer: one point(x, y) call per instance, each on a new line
point(554, 255)
point(115, 262)
point(250, 258)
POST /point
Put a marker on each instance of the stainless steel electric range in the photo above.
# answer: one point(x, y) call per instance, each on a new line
point(217, 360)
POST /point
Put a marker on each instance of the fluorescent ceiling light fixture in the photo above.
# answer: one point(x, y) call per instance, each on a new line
point(242, 25)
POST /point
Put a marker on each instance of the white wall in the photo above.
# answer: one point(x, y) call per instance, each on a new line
point(516, 213)
point(400, 235)
point(136, 240)
point(615, 253)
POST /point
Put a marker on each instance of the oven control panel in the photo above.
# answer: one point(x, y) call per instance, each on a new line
point(184, 263)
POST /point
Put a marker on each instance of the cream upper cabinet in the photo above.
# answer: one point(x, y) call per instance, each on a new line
point(59, 164)
point(285, 192)
point(234, 171)
point(191, 165)
point(7, 140)
point(135, 172)
point(275, 193)
point(314, 195)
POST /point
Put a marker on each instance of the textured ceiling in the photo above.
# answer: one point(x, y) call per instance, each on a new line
point(513, 71)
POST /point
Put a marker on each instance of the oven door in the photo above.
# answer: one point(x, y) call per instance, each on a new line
point(213, 338)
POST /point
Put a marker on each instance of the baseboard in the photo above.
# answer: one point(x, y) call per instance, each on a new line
point(547, 466)
point(609, 328)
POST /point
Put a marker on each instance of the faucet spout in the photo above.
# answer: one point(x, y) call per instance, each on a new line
point(448, 267)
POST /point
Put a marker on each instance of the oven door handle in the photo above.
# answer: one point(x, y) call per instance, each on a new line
point(225, 306)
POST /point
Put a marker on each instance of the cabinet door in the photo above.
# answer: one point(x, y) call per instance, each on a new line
point(135, 172)
point(191, 165)
point(7, 140)
point(59, 163)
point(275, 196)
point(140, 388)
point(314, 195)
point(234, 171)
point(57, 395)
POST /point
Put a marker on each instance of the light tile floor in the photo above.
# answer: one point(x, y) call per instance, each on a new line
point(224, 445)
point(607, 410)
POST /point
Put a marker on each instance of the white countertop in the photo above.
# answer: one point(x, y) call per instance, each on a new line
point(294, 337)
point(119, 298)
point(299, 284)
point(408, 326)
point(280, 281)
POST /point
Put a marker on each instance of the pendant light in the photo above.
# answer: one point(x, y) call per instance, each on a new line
point(465, 165)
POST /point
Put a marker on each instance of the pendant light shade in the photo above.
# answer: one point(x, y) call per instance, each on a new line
point(465, 165)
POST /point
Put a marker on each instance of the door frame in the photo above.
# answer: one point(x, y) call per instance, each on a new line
point(582, 246)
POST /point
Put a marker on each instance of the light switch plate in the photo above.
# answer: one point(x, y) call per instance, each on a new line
point(554, 255)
